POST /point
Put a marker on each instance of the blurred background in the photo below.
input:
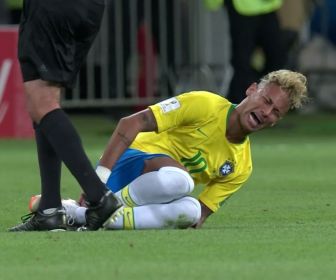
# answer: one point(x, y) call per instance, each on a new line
point(148, 50)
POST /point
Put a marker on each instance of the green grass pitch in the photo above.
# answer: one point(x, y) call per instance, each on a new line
point(280, 225)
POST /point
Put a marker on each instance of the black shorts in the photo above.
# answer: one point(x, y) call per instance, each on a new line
point(55, 37)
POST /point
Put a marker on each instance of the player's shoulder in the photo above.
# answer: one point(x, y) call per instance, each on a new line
point(202, 97)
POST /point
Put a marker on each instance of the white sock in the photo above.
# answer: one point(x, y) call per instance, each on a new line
point(181, 213)
point(80, 215)
point(164, 185)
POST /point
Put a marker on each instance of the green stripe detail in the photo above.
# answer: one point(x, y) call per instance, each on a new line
point(195, 161)
point(191, 159)
point(232, 107)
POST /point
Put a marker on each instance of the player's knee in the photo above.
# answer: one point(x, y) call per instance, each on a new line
point(195, 208)
point(41, 99)
point(190, 211)
point(177, 180)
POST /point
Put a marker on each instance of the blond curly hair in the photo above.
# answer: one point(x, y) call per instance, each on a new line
point(294, 83)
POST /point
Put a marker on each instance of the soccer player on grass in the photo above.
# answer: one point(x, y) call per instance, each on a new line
point(155, 156)
point(54, 38)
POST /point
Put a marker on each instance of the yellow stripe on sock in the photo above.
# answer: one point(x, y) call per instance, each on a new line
point(128, 218)
point(127, 198)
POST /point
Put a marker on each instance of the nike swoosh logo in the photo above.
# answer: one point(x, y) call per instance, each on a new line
point(200, 131)
point(128, 201)
point(129, 218)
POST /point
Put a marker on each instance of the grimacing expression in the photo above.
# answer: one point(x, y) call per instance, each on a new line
point(264, 106)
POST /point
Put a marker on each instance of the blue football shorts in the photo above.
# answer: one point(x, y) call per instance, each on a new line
point(129, 166)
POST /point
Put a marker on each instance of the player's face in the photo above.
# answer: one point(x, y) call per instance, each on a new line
point(264, 106)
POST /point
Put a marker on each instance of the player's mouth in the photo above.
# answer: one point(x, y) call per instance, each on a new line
point(255, 120)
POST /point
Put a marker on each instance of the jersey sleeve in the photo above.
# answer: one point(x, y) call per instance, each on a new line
point(216, 192)
point(182, 110)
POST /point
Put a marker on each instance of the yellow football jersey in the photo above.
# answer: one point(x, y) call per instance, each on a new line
point(191, 129)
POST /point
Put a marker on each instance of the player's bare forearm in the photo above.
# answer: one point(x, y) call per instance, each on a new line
point(205, 213)
point(126, 131)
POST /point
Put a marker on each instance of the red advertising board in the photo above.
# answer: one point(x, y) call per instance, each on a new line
point(14, 119)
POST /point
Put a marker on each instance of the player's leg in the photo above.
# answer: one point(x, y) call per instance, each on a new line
point(52, 132)
point(50, 171)
point(166, 184)
point(75, 214)
point(43, 102)
point(41, 98)
point(272, 43)
point(140, 178)
point(243, 42)
point(51, 215)
point(148, 178)
point(181, 213)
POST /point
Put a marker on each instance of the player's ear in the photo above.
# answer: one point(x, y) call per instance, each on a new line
point(252, 89)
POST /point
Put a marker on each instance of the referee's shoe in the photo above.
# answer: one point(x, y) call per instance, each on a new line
point(47, 220)
point(97, 215)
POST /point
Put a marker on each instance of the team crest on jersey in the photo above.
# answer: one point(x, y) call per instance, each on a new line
point(227, 168)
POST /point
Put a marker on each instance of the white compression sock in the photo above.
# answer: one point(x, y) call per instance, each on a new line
point(80, 215)
point(181, 213)
point(164, 185)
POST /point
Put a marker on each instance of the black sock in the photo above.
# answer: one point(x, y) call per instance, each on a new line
point(50, 172)
point(63, 137)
